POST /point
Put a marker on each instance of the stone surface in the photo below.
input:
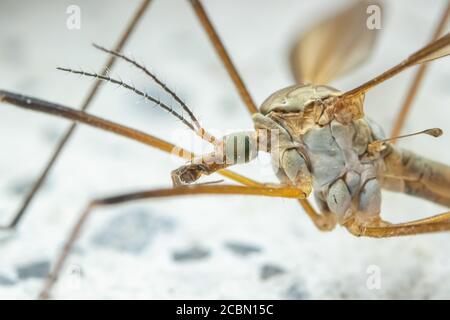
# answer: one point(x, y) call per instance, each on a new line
point(191, 254)
point(5, 281)
point(270, 270)
point(242, 249)
point(123, 254)
point(39, 269)
point(296, 292)
point(131, 231)
point(20, 187)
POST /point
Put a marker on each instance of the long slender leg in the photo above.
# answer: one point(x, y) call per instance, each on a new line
point(382, 229)
point(224, 56)
point(84, 106)
point(322, 222)
point(283, 192)
point(414, 87)
point(443, 217)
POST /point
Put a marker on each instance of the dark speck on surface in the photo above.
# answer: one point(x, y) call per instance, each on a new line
point(131, 231)
point(4, 281)
point(296, 292)
point(191, 254)
point(38, 269)
point(20, 186)
point(242, 249)
point(270, 270)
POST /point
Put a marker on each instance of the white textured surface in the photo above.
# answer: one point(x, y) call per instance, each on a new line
point(138, 261)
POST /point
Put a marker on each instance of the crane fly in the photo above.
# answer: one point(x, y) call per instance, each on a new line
point(319, 138)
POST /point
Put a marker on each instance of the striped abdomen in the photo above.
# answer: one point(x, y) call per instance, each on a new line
point(415, 175)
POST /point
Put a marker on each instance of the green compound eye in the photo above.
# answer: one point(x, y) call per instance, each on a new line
point(240, 147)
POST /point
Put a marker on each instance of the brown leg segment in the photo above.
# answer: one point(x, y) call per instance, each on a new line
point(85, 105)
point(415, 84)
point(381, 229)
point(224, 56)
point(283, 192)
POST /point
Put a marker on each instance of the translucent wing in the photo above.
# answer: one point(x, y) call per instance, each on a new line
point(334, 46)
point(435, 50)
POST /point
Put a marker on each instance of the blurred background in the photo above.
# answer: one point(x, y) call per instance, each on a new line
point(199, 247)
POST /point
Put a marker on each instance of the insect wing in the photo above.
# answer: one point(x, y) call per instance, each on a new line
point(334, 46)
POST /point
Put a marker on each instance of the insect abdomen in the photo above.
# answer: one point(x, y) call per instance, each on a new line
point(418, 176)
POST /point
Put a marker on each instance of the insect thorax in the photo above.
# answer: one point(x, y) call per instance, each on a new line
point(331, 157)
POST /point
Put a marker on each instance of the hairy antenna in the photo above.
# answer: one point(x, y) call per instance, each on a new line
point(155, 78)
point(135, 90)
